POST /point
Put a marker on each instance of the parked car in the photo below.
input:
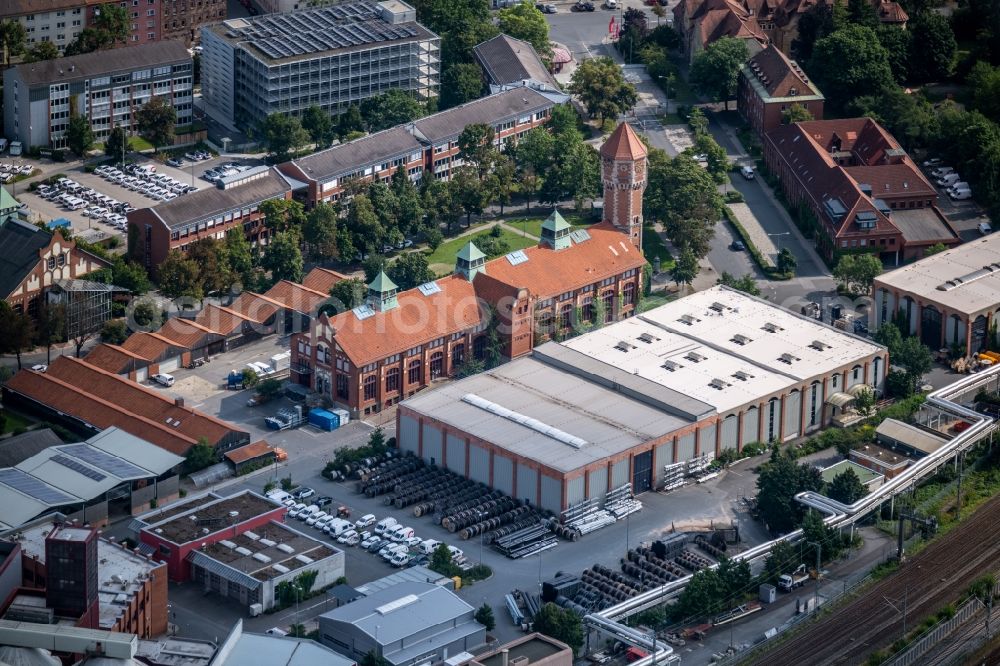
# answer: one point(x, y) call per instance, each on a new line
point(303, 493)
point(419, 561)
point(39, 367)
point(941, 171)
point(317, 517)
point(375, 545)
point(370, 541)
point(349, 538)
point(610, 4)
point(278, 495)
point(163, 379)
point(748, 172)
point(323, 501)
point(959, 195)
point(948, 180)
point(174, 162)
point(932, 163)
point(308, 512)
point(413, 541)
point(364, 521)
point(399, 559)
point(985, 228)
point(737, 246)
point(296, 510)
point(345, 535)
point(385, 524)
point(427, 547)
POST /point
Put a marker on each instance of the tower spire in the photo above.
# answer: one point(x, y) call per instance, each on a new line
point(623, 172)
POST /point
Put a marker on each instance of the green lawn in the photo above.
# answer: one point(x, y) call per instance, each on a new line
point(443, 258)
point(139, 144)
point(653, 246)
point(533, 225)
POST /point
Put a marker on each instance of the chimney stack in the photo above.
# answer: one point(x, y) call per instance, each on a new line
point(505, 657)
point(178, 402)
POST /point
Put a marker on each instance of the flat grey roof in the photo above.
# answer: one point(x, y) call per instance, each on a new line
point(400, 611)
point(212, 202)
point(102, 63)
point(955, 278)
point(417, 574)
point(910, 435)
point(608, 421)
point(921, 225)
point(280, 651)
point(341, 27)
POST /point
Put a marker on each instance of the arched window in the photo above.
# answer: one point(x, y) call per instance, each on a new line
point(415, 373)
point(628, 294)
point(457, 355)
point(369, 385)
point(392, 380)
point(437, 364)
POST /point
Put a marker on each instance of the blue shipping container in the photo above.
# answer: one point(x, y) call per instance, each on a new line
point(323, 419)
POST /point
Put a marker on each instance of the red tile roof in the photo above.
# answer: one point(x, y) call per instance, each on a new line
point(187, 333)
point(891, 12)
point(293, 296)
point(255, 307)
point(893, 180)
point(779, 75)
point(103, 399)
point(322, 279)
point(114, 359)
point(623, 144)
point(223, 321)
point(249, 452)
point(417, 319)
point(548, 272)
point(151, 346)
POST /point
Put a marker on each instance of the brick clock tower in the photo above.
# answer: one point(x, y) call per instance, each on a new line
point(623, 172)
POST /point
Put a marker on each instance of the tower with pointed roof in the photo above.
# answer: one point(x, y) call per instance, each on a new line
point(470, 261)
point(382, 293)
point(555, 231)
point(623, 173)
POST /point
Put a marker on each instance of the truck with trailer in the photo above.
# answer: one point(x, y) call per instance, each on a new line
point(797, 578)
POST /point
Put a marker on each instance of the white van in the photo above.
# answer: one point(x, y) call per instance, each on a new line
point(400, 533)
point(278, 495)
point(457, 556)
point(308, 512)
point(428, 546)
point(385, 524)
point(337, 526)
point(948, 179)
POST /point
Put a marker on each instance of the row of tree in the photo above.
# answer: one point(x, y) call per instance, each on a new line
point(110, 28)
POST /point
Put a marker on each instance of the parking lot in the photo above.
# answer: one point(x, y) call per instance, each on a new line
point(189, 174)
point(965, 215)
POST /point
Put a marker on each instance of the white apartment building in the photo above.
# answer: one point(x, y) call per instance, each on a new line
point(109, 87)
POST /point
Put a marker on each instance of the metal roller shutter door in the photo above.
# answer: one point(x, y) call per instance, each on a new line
point(619, 474)
point(527, 484)
point(432, 445)
point(409, 434)
point(685, 448)
point(551, 494)
point(479, 464)
point(503, 474)
point(706, 437)
point(456, 454)
point(793, 414)
point(730, 431)
point(598, 484)
point(575, 490)
point(664, 456)
point(751, 420)
point(141, 374)
point(170, 364)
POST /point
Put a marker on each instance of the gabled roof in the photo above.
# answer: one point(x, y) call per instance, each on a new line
point(255, 307)
point(548, 273)
point(15, 449)
point(778, 75)
point(152, 346)
point(103, 399)
point(417, 319)
point(293, 296)
point(891, 12)
point(249, 452)
point(100, 63)
point(322, 279)
point(505, 59)
point(623, 144)
point(221, 320)
point(187, 333)
point(21, 243)
point(114, 358)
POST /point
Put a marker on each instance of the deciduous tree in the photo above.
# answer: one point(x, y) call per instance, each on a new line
point(601, 86)
point(524, 21)
point(282, 257)
point(715, 70)
point(320, 231)
point(796, 113)
point(685, 269)
point(461, 83)
point(319, 124)
point(117, 143)
point(745, 283)
point(857, 272)
point(389, 109)
point(114, 332)
point(849, 63)
point(561, 624)
point(79, 136)
point(178, 277)
point(933, 56)
point(363, 224)
point(410, 270)
point(50, 326)
point(283, 135)
point(685, 198)
point(41, 51)
point(12, 38)
point(156, 122)
point(17, 331)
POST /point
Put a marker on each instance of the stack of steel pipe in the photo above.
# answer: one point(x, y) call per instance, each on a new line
point(692, 561)
point(526, 541)
point(592, 522)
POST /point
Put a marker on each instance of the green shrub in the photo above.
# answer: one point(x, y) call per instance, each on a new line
point(734, 196)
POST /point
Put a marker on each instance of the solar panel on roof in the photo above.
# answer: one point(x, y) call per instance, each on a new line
point(429, 288)
point(78, 467)
point(363, 312)
point(29, 485)
point(517, 257)
point(92, 455)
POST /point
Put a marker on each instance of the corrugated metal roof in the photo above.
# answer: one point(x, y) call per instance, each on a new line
point(435, 605)
point(411, 574)
point(281, 651)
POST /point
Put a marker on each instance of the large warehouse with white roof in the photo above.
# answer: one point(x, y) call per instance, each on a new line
point(713, 371)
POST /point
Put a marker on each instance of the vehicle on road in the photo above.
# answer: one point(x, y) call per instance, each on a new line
point(583, 7)
point(546, 8)
point(985, 228)
point(364, 521)
point(610, 4)
point(748, 172)
point(163, 379)
point(797, 578)
point(174, 162)
point(39, 367)
point(737, 246)
point(303, 493)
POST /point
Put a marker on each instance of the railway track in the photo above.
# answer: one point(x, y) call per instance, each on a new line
point(928, 581)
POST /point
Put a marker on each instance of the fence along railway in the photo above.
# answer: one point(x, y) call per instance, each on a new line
point(972, 549)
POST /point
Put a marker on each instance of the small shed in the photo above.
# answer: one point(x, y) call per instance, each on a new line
point(915, 439)
point(343, 594)
point(870, 479)
point(253, 456)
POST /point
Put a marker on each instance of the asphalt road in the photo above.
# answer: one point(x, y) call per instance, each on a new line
point(725, 260)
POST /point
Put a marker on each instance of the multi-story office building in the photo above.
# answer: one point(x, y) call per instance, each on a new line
point(182, 20)
point(61, 21)
point(329, 57)
point(107, 87)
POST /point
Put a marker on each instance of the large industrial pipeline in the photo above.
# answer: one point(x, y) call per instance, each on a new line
point(608, 621)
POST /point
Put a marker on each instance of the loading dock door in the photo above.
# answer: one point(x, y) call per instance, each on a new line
point(642, 472)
